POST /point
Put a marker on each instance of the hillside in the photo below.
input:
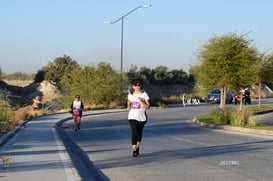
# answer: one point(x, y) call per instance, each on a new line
point(24, 94)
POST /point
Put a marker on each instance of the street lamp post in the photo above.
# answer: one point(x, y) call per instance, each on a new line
point(121, 41)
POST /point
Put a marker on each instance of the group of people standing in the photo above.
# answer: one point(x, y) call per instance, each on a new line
point(137, 104)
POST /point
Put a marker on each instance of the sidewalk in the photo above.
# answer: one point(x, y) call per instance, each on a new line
point(36, 152)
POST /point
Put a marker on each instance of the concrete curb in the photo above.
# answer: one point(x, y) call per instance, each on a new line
point(263, 112)
point(8, 135)
point(232, 128)
point(83, 167)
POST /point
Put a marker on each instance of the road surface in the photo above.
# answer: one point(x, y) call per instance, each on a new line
point(172, 149)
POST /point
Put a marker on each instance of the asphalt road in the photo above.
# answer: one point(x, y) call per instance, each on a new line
point(172, 149)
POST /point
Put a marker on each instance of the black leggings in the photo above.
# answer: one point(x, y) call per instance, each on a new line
point(136, 128)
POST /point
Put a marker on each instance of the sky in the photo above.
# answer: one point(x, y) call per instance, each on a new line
point(169, 33)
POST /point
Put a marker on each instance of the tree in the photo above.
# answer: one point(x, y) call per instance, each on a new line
point(227, 62)
point(132, 74)
point(40, 76)
point(96, 85)
point(145, 74)
point(177, 77)
point(160, 73)
point(56, 69)
point(265, 73)
point(267, 68)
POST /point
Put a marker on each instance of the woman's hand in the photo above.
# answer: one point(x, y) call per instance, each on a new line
point(145, 103)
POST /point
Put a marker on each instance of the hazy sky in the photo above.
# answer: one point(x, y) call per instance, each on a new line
point(35, 32)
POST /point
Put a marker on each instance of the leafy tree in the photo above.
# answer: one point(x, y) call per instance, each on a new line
point(133, 70)
point(266, 68)
point(107, 83)
point(97, 85)
point(160, 73)
point(56, 69)
point(227, 61)
point(177, 77)
point(133, 73)
point(266, 72)
point(40, 76)
point(145, 74)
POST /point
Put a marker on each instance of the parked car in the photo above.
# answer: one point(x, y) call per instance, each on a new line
point(246, 99)
point(214, 96)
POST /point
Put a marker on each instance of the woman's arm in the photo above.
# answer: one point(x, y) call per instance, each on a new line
point(145, 103)
point(128, 104)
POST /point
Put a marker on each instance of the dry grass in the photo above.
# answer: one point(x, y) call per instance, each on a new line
point(28, 113)
point(19, 83)
point(18, 116)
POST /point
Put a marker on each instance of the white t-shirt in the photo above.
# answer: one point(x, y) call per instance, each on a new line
point(76, 106)
point(137, 111)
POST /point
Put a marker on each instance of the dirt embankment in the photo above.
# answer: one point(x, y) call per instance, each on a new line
point(26, 93)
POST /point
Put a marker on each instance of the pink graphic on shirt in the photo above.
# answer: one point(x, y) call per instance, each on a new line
point(135, 105)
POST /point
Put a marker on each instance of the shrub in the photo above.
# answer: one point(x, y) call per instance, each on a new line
point(223, 116)
point(251, 121)
point(118, 103)
point(5, 160)
point(5, 116)
point(244, 117)
point(229, 116)
point(240, 118)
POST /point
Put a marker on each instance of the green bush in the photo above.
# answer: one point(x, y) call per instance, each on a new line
point(229, 116)
point(244, 117)
point(4, 115)
point(6, 159)
point(223, 116)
